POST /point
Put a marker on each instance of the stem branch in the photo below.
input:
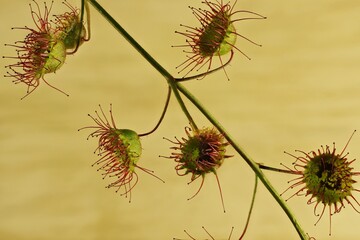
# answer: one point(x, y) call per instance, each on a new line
point(175, 88)
point(254, 166)
point(169, 78)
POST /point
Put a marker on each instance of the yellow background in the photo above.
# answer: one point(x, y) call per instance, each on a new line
point(299, 91)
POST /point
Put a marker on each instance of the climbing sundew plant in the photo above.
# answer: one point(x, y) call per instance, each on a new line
point(194, 151)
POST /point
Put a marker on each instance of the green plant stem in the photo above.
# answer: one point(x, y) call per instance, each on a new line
point(202, 75)
point(161, 117)
point(170, 79)
point(84, 6)
point(251, 208)
point(247, 159)
point(262, 166)
point(176, 87)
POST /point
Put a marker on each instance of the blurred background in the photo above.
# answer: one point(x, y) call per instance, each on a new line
point(299, 91)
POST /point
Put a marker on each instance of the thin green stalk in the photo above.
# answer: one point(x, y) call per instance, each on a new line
point(84, 6)
point(130, 39)
point(176, 87)
point(262, 166)
point(246, 157)
point(251, 208)
point(202, 75)
point(170, 79)
point(161, 117)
